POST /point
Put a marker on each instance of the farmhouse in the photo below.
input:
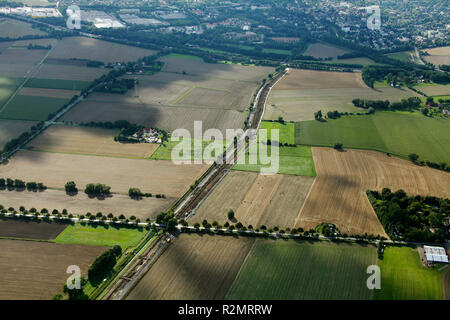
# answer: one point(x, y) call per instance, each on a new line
point(435, 254)
point(148, 135)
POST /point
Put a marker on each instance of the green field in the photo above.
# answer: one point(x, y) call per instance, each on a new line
point(404, 278)
point(183, 56)
point(97, 235)
point(31, 108)
point(164, 151)
point(404, 56)
point(57, 84)
point(395, 132)
point(7, 87)
point(292, 160)
point(286, 131)
point(276, 269)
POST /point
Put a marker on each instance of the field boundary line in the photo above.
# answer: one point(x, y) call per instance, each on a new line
point(306, 198)
point(241, 267)
point(184, 95)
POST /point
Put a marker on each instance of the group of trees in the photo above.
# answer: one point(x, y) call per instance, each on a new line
point(21, 185)
point(406, 74)
point(71, 187)
point(103, 265)
point(119, 86)
point(136, 193)
point(97, 189)
point(411, 218)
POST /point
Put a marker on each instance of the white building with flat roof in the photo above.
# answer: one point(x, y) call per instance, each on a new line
point(435, 254)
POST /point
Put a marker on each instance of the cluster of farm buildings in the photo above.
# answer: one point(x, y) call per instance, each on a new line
point(148, 135)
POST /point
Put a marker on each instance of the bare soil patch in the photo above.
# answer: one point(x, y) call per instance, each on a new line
point(32, 270)
point(28, 229)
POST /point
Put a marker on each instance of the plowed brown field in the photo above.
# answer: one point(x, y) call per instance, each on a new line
point(194, 267)
point(32, 270)
point(338, 193)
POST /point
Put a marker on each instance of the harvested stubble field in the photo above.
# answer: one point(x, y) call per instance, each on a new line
point(99, 50)
point(31, 270)
point(89, 141)
point(30, 229)
point(220, 71)
point(276, 269)
point(11, 129)
point(215, 94)
point(338, 193)
point(55, 169)
point(194, 267)
point(156, 116)
point(81, 204)
point(438, 56)
point(193, 91)
point(48, 93)
point(302, 92)
point(270, 200)
point(10, 28)
point(321, 50)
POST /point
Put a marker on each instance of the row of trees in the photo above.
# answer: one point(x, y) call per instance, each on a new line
point(406, 103)
point(21, 185)
point(136, 193)
point(414, 157)
point(97, 189)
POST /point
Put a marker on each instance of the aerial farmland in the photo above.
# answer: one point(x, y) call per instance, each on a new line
point(225, 151)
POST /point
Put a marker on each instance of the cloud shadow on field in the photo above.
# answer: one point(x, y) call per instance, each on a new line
point(190, 269)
